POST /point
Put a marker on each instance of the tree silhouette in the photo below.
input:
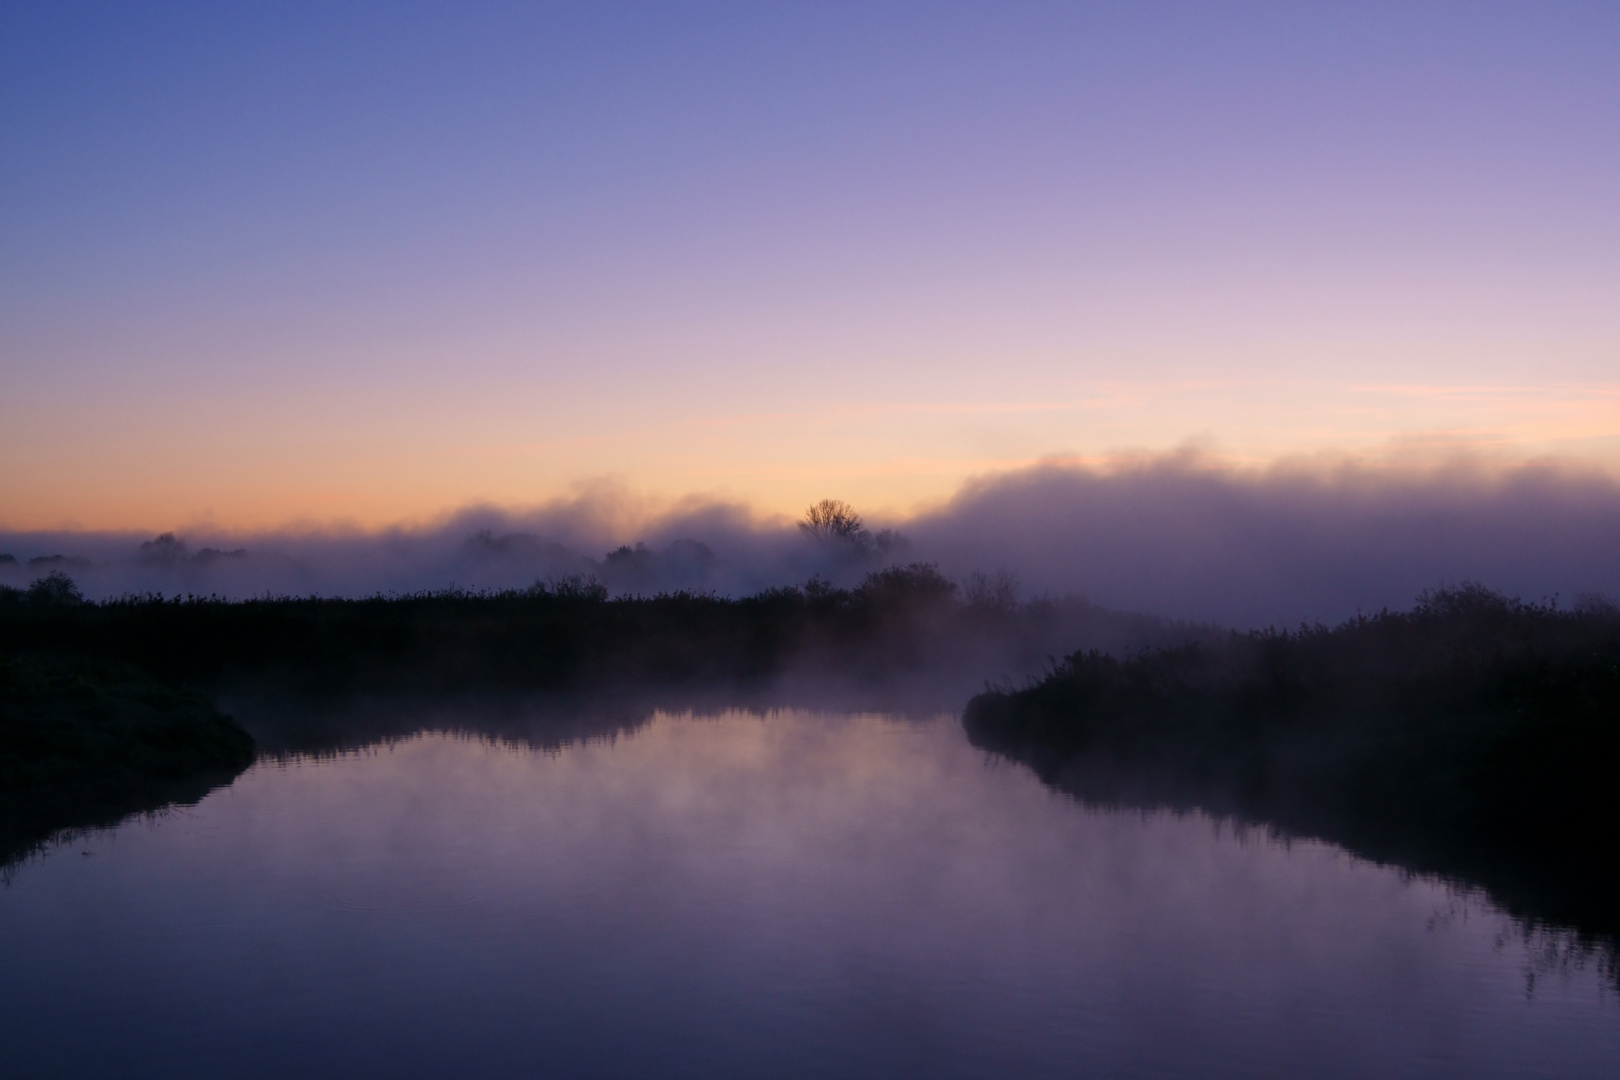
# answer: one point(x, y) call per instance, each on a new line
point(55, 588)
point(833, 520)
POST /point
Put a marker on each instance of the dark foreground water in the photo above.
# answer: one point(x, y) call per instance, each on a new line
point(743, 897)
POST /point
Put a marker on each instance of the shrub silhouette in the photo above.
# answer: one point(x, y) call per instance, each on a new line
point(54, 588)
point(166, 548)
point(907, 588)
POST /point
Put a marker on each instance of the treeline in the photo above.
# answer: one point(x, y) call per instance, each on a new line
point(1474, 736)
point(566, 636)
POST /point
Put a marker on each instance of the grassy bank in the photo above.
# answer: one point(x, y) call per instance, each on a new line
point(570, 637)
point(86, 742)
point(1475, 737)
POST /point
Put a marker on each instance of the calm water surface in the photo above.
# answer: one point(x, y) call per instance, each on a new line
point(733, 896)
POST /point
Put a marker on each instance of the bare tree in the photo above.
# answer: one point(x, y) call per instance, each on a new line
point(833, 520)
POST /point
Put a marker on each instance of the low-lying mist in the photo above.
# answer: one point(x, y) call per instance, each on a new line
point(1177, 535)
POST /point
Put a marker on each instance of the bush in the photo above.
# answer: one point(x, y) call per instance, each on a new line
point(55, 588)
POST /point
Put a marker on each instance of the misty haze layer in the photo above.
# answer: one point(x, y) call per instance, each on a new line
point(1173, 535)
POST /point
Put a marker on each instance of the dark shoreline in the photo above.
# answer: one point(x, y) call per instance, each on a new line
point(569, 637)
point(110, 712)
point(1474, 738)
point(86, 743)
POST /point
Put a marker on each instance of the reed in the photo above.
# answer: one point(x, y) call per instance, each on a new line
point(1474, 736)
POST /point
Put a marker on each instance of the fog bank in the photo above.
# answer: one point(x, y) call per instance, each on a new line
point(1175, 535)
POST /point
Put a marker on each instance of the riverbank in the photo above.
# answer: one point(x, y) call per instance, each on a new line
point(96, 717)
point(1474, 737)
point(85, 742)
point(570, 637)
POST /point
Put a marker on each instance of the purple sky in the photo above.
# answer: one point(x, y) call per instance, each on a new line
point(368, 264)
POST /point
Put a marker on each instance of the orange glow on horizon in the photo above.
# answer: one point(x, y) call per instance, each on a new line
point(890, 460)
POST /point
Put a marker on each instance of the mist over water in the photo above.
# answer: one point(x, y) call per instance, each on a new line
point(743, 894)
point(1176, 535)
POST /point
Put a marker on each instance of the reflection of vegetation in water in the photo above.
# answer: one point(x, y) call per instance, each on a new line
point(96, 724)
point(85, 743)
point(1475, 737)
point(304, 728)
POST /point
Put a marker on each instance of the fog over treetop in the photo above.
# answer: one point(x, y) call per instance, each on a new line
point(1176, 535)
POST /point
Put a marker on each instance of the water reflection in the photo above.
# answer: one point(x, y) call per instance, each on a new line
point(1566, 920)
point(34, 820)
point(1570, 922)
point(743, 895)
point(285, 726)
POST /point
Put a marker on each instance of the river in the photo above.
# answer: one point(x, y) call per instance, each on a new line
point(745, 895)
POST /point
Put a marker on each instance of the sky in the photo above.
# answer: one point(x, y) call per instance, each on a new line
point(310, 265)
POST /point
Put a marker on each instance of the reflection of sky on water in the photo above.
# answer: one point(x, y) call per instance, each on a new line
point(794, 896)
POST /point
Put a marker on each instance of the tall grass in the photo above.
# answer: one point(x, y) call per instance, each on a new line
point(1474, 736)
point(569, 636)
